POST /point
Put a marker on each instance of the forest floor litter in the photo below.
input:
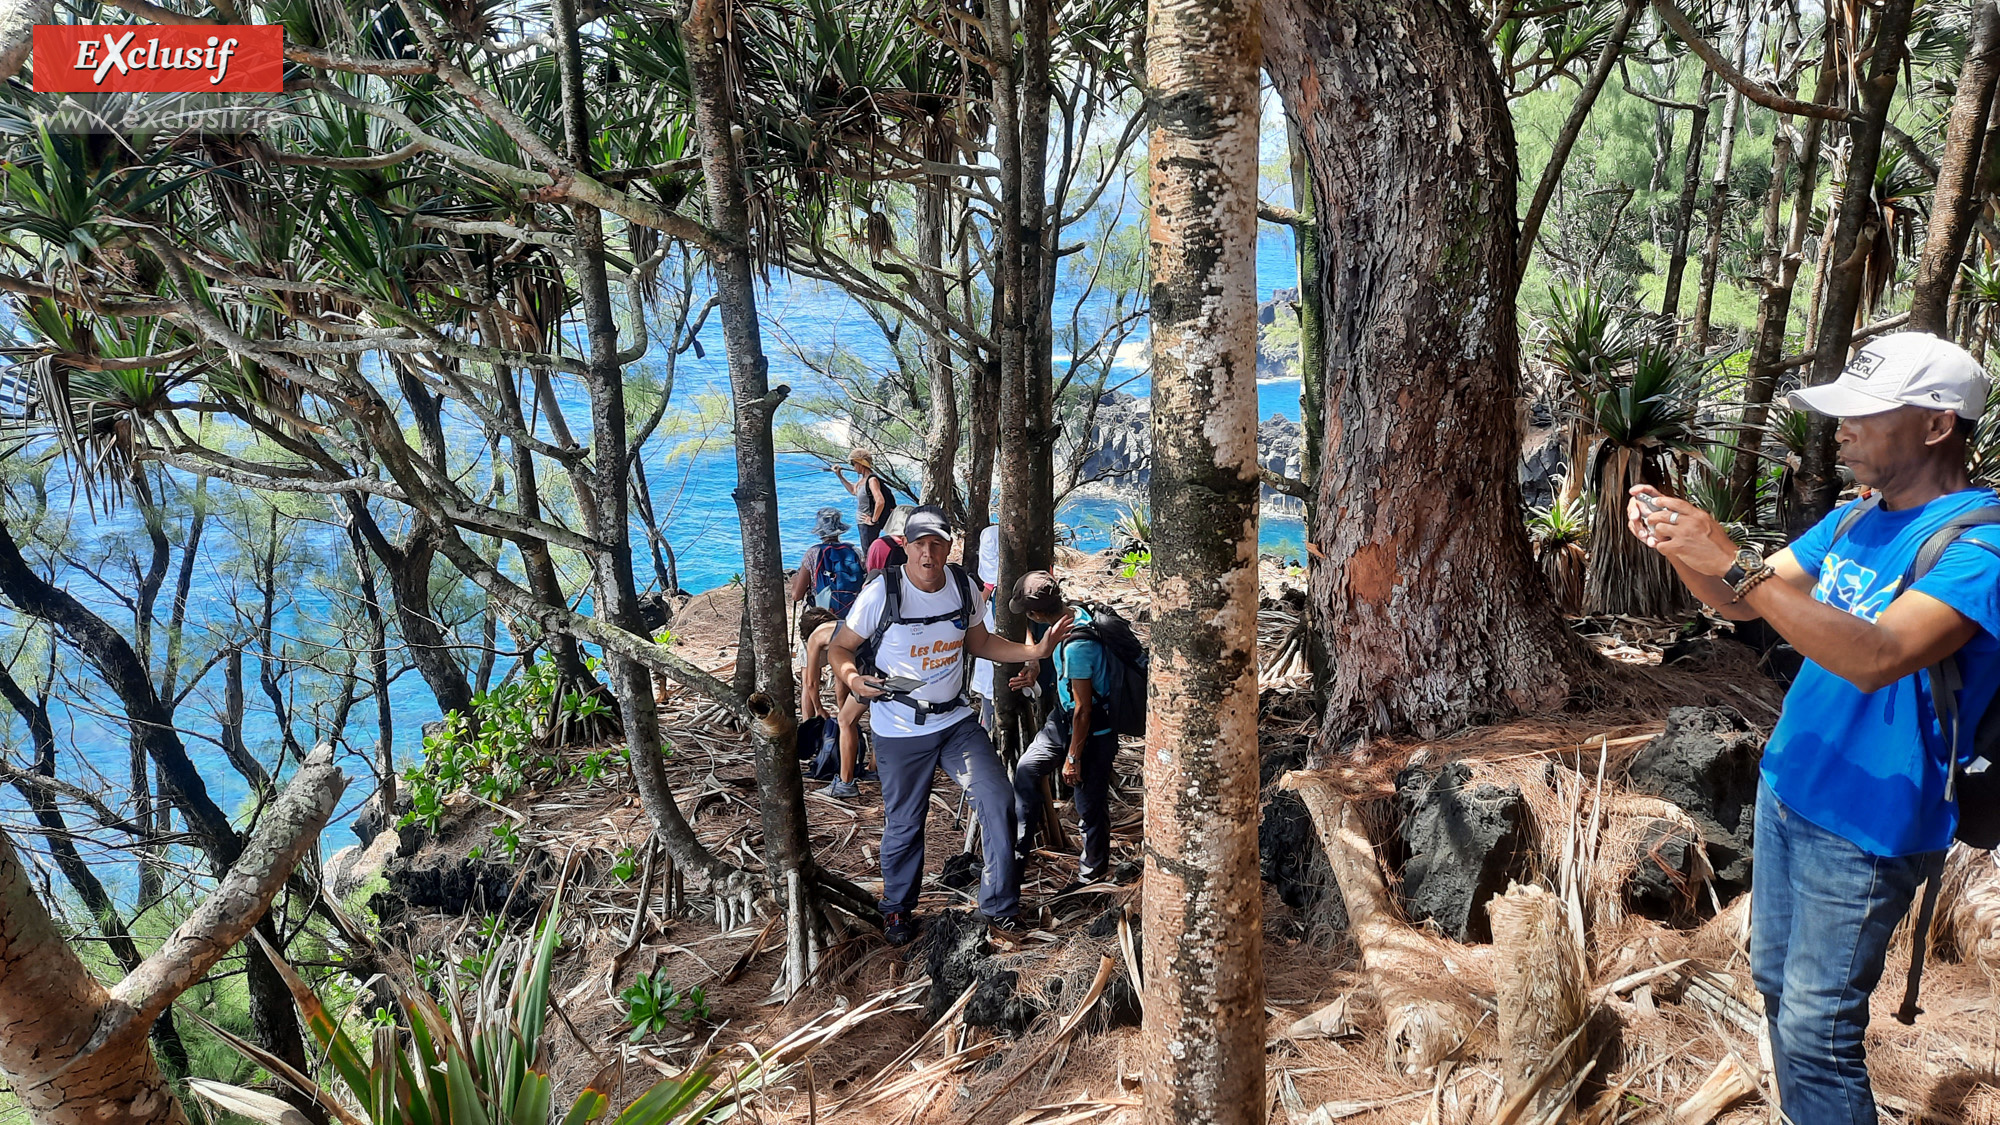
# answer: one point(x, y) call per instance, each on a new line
point(964, 1026)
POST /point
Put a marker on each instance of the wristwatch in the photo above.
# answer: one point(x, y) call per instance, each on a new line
point(1744, 574)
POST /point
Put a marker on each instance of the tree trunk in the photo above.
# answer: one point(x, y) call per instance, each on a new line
point(1586, 97)
point(1953, 203)
point(1312, 390)
point(1781, 276)
point(1014, 305)
point(1670, 299)
point(1436, 621)
point(941, 441)
point(1718, 208)
point(82, 878)
point(378, 665)
point(1819, 483)
point(75, 1052)
point(781, 791)
point(1204, 1011)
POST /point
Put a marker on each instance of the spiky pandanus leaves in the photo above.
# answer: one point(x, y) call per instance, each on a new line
point(1560, 533)
point(480, 1063)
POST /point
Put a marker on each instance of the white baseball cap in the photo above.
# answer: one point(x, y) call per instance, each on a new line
point(1901, 369)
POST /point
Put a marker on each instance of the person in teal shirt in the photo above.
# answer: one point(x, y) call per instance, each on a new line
point(1078, 736)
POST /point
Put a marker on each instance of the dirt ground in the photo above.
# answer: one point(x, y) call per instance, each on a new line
point(884, 1062)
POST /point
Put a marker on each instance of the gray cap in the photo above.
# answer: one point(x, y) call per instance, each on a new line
point(926, 520)
point(1901, 369)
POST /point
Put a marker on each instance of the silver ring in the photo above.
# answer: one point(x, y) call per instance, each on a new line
point(1673, 517)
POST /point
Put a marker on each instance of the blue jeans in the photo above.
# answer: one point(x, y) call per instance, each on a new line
point(1821, 912)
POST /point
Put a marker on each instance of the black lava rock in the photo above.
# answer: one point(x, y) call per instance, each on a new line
point(961, 871)
point(1661, 885)
point(959, 954)
point(1706, 762)
point(1290, 858)
point(1465, 843)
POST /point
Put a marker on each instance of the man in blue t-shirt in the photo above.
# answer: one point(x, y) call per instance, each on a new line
point(1077, 737)
point(1851, 812)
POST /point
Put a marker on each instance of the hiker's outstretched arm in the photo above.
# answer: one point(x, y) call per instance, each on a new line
point(1000, 650)
point(1913, 632)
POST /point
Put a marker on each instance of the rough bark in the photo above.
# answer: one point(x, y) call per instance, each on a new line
point(1312, 390)
point(1204, 1011)
point(1954, 201)
point(74, 1051)
point(1670, 298)
point(1818, 481)
point(1436, 620)
point(1586, 97)
point(781, 790)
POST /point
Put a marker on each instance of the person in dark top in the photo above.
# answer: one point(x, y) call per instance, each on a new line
point(871, 496)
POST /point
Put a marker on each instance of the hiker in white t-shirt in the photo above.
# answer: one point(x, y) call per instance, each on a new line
point(904, 649)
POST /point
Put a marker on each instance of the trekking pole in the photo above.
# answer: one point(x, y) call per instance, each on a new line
point(1920, 941)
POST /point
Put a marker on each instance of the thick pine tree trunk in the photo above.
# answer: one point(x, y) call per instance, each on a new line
point(1437, 615)
point(1953, 202)
point(1819, 483)
point(1204, 974)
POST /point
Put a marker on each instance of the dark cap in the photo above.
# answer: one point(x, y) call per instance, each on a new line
point(1037, 592)
point(926, 520)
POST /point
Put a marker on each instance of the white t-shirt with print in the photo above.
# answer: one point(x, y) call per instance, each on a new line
point(932, 653)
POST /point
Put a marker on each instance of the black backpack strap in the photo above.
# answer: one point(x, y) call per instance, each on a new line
point(1854, 513)
point(1945, 681)
point(892, 605)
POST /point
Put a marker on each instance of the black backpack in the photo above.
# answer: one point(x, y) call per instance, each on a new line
point(1128, 662)
point(1975, 786)
point(962, 618)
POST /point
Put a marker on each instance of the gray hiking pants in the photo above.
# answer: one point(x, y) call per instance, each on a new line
point(1044, 756)
point(908, 766)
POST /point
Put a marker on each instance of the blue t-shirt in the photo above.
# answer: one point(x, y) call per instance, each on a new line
point(1083, 659)
point(1871, 768)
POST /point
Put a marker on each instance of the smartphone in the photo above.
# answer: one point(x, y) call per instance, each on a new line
point(899, 685)
point(1648, 506)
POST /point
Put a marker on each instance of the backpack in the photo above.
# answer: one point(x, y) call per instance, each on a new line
point(1128, 662)
point(963, 618)
point(837, 577)
point(1975, 786)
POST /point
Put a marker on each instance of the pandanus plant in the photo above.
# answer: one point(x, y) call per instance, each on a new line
point(483, 1063)
point(1560, 532)
point(1644, 413)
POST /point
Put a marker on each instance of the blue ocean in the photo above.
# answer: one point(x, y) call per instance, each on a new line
point(691, 478)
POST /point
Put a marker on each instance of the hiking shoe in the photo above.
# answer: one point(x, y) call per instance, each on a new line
point(867, 775)
point(1010, 924)
point(899, 928)
point(845, 790)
